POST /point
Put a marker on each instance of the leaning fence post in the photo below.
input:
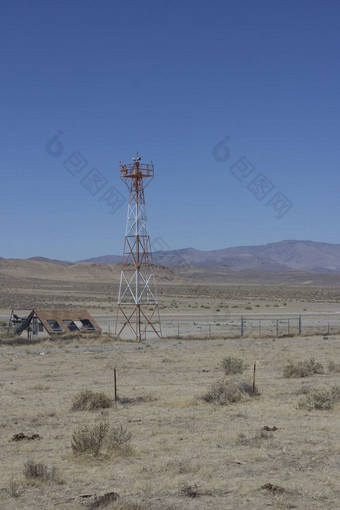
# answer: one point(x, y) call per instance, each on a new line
point(254, 371)
point(115, 383)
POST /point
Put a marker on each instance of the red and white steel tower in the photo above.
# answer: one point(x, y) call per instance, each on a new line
point(137, 299)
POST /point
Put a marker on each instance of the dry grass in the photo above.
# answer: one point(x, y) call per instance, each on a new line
point(190, 491)
point(114, 501)
point(14, 488)
point(103, 501)
point(177, 440)
point(12, 340)
point(128, 505)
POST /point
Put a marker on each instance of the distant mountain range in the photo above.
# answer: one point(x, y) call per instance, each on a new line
point(52, 261)
point(273, 258)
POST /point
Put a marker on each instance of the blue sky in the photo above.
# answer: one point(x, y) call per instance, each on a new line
point(173, 79)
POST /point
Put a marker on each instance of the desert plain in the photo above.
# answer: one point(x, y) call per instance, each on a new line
point(267, 449)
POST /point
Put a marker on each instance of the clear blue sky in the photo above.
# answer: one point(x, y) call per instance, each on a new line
point(173, 78)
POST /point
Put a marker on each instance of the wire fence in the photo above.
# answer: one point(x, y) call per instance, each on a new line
point(236, 326)
point(247, 326)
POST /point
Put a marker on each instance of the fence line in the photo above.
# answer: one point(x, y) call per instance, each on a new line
point(237, 325)
point(245, 326)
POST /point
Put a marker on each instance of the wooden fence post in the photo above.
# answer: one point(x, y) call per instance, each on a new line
point(254, 371)
point(115, 383)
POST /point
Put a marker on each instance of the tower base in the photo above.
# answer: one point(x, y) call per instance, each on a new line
point(138, 321)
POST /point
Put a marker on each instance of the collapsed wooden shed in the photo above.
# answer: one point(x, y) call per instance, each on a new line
point(44, 323)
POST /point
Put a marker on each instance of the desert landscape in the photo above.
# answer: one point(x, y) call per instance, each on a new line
point(192, 432)
point(170, 256)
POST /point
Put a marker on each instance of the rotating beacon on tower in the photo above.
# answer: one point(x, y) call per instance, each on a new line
point(137, 300)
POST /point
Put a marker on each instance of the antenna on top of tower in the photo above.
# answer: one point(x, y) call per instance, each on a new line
point(137, 158)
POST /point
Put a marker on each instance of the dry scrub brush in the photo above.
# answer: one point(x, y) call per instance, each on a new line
point(228, 392)
point(321, 398)
point(38, 471)
point(100, 439)
point(333, 367)
point(88, 400)
point(14, 488)
point(302, 368)
point(233, 366)
point(74, 335)
point(189, 491)
point(11, 339)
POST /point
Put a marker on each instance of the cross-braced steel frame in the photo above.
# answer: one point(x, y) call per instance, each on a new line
point(137, 299)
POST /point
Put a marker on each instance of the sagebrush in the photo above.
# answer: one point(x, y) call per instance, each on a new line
point(333, 367)
point(88, 400)
point(14, 488)
point(228, 392)
point(302, 368)
point(101, 438)
point(321, 398)
point(233, 366)
point(189, 491)
point(39, 471)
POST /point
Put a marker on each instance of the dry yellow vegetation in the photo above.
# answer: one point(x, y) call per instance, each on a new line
point(184, 453)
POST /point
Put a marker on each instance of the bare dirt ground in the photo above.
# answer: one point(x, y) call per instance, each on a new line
point(186, 305)
point(31, 284)
point(181, 446)
point(220, 451)
point(195, 297)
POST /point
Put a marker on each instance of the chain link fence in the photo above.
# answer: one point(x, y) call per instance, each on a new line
point(239, 326)
point(236, 326)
